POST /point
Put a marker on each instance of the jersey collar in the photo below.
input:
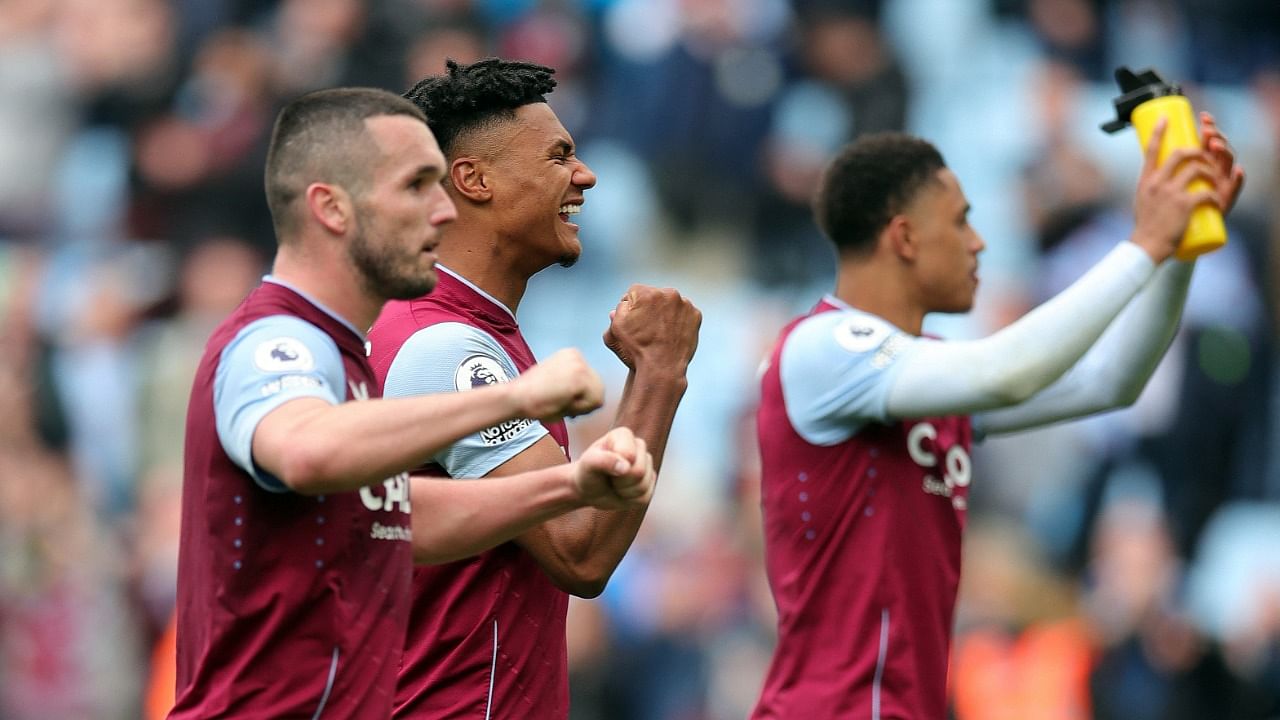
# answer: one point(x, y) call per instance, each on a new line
point(477, 290)
point(834, 301)
point(319, 305)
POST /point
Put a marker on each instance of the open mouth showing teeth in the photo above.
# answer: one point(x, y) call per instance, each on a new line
point(567, 210)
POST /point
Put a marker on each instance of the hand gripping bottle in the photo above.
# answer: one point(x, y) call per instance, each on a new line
point(1144, 100)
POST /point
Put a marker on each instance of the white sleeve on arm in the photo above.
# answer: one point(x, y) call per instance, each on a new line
point(836, 369)
point(269, 362)
point(453, 357)
point(1010, 366)
point(1114, 371)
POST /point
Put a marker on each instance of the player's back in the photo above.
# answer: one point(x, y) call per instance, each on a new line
point(862, 544)
point(288, 605)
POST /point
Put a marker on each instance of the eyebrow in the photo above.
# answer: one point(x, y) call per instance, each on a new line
point(562, 145)
point(427, 170)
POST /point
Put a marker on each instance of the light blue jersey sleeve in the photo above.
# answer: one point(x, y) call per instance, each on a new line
point(269, 362)
point(455, 357)
point(836, 369)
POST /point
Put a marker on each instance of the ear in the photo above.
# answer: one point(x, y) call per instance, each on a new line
point(331, 206)
point(899, 236)
point(470, 178)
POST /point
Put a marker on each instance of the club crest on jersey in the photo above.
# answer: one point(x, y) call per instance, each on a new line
point(282, 354)
point(860, 333)
point(480, 371)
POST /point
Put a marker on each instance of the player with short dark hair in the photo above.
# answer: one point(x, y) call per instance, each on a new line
point(887, 170)
point(865, 426)
point(294, 563)
point(487, 634)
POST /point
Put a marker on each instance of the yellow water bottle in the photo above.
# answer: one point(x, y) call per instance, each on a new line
point(1144, 100)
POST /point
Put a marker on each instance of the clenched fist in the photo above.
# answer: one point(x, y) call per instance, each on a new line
point(654, 328)
point(563, 385)
point(616, 472)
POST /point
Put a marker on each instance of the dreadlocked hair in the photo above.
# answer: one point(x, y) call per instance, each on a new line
point(468, 97)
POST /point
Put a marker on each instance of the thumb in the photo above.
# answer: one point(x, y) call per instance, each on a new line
point(607, 461)
point(621, 441)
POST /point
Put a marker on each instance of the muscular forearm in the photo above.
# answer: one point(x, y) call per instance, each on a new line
point(648, 406)
point(454, 519)
point(581, 549)
point(1013, 364)
point(320, 448)
point(1116, 369)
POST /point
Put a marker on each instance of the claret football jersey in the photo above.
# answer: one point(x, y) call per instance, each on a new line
point(288, 605)
point(863, 519)
point(486, 634)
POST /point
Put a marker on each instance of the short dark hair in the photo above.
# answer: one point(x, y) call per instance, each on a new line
point(869, 181)
point(321, 137)
point(469, 97)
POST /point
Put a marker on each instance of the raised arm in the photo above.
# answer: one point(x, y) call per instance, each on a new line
point(1010, 366)
point(1114, 371)
point(655, 333)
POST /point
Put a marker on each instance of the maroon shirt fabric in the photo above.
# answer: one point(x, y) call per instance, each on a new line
point(862, 550)
point(493, 624)
point(288, 605)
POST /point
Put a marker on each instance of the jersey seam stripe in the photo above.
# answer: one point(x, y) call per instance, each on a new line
point(328, 686)
point(493, 671)
point(880, 663)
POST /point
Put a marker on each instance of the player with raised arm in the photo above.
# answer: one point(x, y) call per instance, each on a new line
point(865, 426)
point(487, 634)
point(294, 561)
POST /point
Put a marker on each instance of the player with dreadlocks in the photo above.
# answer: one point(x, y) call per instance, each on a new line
point(487, 634)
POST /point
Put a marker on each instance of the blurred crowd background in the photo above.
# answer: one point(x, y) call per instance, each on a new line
point(1126, 567)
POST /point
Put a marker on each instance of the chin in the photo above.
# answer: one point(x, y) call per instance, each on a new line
point(570, 257)
point(954, 308)
point(411, 288)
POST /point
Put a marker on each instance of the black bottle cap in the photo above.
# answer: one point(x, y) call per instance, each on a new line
point(1135, 89)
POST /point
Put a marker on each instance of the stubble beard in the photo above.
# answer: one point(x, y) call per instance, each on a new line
point(381, 271)
point(570, 258)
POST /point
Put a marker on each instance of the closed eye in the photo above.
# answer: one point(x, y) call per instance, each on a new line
point(562, 152)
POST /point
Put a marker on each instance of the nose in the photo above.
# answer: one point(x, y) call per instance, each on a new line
point(442, 208)
point(583, 177)
point(978, 244)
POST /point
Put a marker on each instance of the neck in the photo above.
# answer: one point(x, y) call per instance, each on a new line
point(486, 262)
point(877, 288)
point(333, 282)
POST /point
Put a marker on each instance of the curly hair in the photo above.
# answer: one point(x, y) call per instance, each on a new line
point(469, 97)
point(870, 181)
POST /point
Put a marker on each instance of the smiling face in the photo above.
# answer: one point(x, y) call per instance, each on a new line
point(400, 214)
point(945, 266)
point(539, 184)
